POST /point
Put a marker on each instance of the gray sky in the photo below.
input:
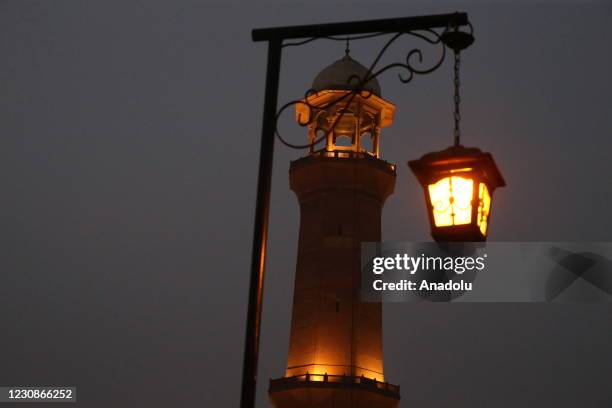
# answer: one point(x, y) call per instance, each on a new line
point(128, 153)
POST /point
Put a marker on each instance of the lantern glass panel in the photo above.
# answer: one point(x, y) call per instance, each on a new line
point(484, 207)
point(451, 201)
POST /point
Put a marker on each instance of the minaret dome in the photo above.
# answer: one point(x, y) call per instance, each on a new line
point(345, 113)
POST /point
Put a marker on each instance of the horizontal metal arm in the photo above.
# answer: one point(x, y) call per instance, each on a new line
point(389, 25)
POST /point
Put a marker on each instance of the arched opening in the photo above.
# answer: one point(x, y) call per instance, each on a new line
point(366, 143)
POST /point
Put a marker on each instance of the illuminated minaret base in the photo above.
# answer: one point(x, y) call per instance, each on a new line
point(335, 351)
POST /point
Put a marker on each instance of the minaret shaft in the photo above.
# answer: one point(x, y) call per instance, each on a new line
point(335, 351)
point(340, 206)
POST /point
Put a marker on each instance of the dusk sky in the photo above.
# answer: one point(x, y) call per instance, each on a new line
point(129, 143)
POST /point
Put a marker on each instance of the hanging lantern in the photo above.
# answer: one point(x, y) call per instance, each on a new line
point(458, 184)
point(458, 181)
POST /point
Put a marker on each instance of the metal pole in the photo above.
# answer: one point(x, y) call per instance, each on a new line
point(260, 233)
point(389, 25)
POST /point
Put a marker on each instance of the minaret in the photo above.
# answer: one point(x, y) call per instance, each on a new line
point(335, 352)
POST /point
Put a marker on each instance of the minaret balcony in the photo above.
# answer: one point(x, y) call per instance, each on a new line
point(334, 381)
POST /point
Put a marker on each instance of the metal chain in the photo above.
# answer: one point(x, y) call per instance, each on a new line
point(457, 113)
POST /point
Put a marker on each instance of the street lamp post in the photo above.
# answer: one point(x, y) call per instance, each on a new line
point(275, 38)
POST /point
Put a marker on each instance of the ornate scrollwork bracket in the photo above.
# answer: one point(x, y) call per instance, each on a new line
point(411, 66)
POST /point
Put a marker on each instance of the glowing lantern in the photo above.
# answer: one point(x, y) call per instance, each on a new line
point(459, 184)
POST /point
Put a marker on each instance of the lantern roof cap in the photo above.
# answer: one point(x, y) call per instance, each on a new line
point(452, 152)
point(343, 74)
point(458, 157)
